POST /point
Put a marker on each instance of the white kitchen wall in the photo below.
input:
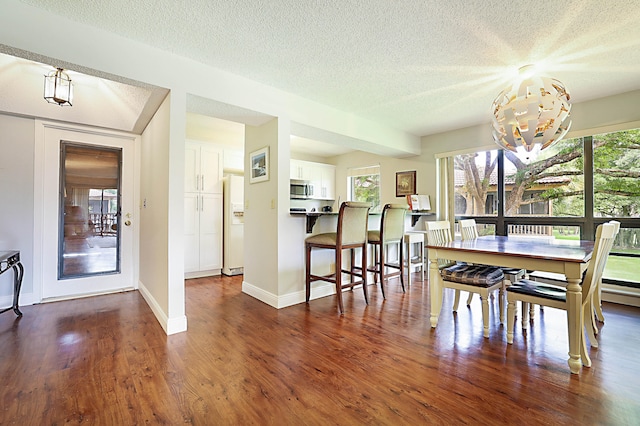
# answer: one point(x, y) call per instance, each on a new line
point(16, 201)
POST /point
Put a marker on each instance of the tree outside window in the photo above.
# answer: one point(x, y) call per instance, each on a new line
point(364, 186)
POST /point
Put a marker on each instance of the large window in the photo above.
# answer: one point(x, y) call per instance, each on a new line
point(616, 174)
point(563, 192)
point(364, 185)
point(548, 184)
point(616, 184)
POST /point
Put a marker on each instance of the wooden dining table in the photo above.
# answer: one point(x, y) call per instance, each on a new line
point(568, 257)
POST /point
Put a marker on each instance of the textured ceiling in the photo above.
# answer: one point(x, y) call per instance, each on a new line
point(419, 66)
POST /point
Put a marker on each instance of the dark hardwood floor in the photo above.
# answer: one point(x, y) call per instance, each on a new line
point(105, 360)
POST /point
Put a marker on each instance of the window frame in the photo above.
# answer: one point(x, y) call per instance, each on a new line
point(587, 223)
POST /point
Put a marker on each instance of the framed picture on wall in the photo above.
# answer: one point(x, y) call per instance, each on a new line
point(405, 183)
point(259, 161)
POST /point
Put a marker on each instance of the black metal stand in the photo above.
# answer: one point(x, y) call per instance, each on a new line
point(11, 260)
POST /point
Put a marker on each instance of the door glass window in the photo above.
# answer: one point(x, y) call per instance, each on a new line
point(89, 210)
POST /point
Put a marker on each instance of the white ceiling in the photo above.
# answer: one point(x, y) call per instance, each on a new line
point(420, 66)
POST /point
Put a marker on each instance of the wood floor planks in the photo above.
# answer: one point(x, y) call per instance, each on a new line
point(106, 360)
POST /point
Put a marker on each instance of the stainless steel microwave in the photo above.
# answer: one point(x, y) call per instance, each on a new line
point(300, 189)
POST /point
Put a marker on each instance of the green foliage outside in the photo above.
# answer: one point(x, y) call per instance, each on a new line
point(367, 189)
point(560, 168)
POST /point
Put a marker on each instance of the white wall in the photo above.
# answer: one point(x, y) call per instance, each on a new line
point(261, 214)
point(17, 143)
point(154, 221)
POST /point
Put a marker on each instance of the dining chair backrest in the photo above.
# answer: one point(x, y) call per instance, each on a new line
point(605, 235)
point(468, 229)
point(438, 232)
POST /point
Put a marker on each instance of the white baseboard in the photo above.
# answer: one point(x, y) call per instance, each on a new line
point(169, 325)
point(289, 299)
point(25, 299)
point(621, 295)
point(201, 274)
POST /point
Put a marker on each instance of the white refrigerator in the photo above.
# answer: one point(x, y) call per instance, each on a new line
point(233, 224)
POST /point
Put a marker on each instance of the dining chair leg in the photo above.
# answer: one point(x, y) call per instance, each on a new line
point(525, 314)
point(584, 351)
point(597, 302)
point(456, 300)
point(501, 294)
point(590, 327)
point(469, 299)
point(532, 311)
point(591, 316)
point(511, 319)
point(484, 298)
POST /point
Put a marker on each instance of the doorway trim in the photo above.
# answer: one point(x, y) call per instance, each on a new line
point(40, 207)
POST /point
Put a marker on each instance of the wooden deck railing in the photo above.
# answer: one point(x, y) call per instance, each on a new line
point(103, 223)
point(532, 230)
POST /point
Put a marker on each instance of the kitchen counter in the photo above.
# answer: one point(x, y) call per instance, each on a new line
point(312, 217)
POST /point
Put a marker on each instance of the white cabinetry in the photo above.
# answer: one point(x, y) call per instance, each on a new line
point(300, 170)
point(202, 210)
point(321, 176)
point(326, 182)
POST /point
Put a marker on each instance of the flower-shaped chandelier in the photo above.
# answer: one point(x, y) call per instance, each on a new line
point(534, 111)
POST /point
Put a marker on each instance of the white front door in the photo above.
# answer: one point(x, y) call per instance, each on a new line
point(49, 228)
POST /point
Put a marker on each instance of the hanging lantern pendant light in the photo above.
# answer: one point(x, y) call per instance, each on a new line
point(533, 113)
point(58, 88)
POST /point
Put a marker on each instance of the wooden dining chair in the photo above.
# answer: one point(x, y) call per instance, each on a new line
point(439, 232)
point(528, 291)
point(391, 232)
point(469, 231)
point(595, 312)
point(351, 233)
point(481, 279)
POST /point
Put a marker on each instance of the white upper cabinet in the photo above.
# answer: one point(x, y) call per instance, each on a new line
point(327, 182)
point(321, 176)
point(301, 170)
point(203, 169)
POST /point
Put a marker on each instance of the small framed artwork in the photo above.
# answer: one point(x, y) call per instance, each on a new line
point(259, 161)
point(405, 183)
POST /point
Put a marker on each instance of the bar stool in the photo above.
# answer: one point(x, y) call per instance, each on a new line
point(391, 232)
point(353, 220)
point(411, 238)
